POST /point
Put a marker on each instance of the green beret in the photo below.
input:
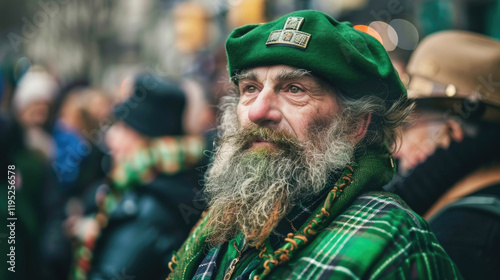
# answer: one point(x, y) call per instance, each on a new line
point(351, 60)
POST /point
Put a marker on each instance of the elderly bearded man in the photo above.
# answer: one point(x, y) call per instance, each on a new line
point(294, 189)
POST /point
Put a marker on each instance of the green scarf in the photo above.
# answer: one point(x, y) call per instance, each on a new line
point(167, 155)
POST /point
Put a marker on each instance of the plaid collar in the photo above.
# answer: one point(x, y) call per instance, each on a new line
point(298, 216)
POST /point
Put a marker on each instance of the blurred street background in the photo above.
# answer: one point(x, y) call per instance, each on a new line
point(106, 41)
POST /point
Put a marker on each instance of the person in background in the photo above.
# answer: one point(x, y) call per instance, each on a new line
point(31, 104)
point(294, 189)
point(450, 157)
point(28, 178)
point(77, 164)
point(78, 159)
point(140, 216)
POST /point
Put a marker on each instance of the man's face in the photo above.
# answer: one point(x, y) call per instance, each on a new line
point(283, 138)
point(35, 114)
point(419, 141)
point(123, 141)
point(283, 98)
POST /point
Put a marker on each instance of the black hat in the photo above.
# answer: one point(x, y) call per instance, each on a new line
point(155, 108)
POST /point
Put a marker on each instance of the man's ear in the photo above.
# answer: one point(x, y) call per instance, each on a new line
point(455, 131)
point(363, 127)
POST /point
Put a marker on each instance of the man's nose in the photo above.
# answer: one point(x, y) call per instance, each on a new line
point(265, 109)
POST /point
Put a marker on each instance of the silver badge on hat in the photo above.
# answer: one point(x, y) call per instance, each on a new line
point(290, 34)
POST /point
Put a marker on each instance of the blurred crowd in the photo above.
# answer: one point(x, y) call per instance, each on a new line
point(110, 138)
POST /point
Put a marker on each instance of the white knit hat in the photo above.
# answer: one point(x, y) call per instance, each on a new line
point(35, 85)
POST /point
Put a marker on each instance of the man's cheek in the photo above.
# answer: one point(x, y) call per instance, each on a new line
point(242, 118)
point(319, 124)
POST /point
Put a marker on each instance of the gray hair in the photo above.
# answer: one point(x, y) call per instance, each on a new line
point(386, 117)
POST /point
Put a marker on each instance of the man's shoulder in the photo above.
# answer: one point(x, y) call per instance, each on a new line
point(379, 205)
point(377, 235)
point(378, 226)
point(383, 215)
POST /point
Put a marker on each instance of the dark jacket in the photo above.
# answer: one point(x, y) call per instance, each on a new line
point(148, 224)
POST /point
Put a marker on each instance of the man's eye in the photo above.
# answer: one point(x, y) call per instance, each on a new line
point(250, 89)
point(295, 89)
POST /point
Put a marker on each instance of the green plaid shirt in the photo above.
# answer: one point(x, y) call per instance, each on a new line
point(375, 236)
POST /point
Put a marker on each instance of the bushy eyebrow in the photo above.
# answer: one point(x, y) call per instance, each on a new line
point(295, 74)
point(246, 74)
point(315, 84)
point(283, 76)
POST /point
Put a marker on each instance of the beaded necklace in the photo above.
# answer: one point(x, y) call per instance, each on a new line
point(301, 237)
